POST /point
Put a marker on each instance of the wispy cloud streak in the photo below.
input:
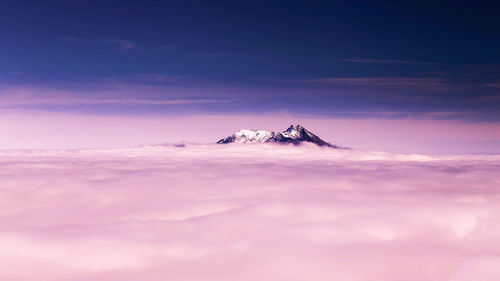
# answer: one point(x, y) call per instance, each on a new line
point(124, 45)
point(427, 83)
point(391, 61)
point(114, 93)
point(16, 103)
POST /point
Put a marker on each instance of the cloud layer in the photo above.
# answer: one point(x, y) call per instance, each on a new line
point(253, 212)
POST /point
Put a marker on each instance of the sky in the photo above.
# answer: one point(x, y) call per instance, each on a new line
point(110, 110)
point(353, 61)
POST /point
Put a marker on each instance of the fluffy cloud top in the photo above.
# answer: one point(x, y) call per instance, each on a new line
point(247, 212)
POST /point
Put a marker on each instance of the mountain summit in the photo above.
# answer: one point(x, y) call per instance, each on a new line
point(294, 134)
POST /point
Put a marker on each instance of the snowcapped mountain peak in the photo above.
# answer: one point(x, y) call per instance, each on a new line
point(295, 134)
point(294, 131)
point(245, 136)
point(294, 128)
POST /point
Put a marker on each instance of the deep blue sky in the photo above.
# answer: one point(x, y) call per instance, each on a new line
point(388, 59)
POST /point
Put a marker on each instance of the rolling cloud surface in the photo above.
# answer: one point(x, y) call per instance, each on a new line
point(247, 212)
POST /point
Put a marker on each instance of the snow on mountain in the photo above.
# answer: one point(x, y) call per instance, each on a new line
point(294, 134)
point(243, 136)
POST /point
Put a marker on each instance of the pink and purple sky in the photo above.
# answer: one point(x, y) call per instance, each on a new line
point(385, 75)
point(95, 97)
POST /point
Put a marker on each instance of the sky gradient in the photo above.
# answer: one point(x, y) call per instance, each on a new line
point(110, 112)
point(347, 60)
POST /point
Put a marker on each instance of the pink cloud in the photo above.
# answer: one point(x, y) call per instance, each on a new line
point(247, 212)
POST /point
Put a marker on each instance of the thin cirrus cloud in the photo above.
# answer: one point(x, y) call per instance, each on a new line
point(162, 77)
point(428, 83)
point(58, 101)
point(124, 45)
point(492, 85)
point(109, 93)
point(218, 212)
point(391, 61)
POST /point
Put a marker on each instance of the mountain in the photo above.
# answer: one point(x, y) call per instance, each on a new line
point(294, 134)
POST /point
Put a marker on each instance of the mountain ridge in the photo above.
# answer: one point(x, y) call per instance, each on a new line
point(295, 134)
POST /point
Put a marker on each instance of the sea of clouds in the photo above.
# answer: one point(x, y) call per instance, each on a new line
point(248, 212)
